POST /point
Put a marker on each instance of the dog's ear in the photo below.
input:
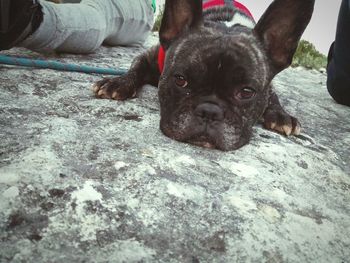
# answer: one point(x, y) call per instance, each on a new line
point(280, 29)
point(179, 16)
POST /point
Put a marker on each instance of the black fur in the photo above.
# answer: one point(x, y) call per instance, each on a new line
point(216, 82)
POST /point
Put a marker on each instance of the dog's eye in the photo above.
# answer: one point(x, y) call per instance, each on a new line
point(245, 93)
point(180, 81)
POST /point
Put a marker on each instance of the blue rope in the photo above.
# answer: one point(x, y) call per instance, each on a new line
point(50, 64)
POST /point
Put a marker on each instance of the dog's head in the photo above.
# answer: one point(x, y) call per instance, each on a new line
point(215, 82)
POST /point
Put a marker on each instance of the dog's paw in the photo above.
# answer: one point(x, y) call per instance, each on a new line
point(281, 122)
point(117, 88)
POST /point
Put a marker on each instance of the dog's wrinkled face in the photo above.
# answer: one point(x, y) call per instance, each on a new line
point(213, 93)
point(216, 81)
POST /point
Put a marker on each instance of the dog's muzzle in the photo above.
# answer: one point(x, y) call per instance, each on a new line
point(208, 118)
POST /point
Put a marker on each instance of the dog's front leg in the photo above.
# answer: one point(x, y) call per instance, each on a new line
point(277, 119)
point(144, 70)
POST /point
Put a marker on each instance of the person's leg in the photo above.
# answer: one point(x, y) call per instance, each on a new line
point(133, 23)
point(73, 28)
point(81, 28)
point(338, 69)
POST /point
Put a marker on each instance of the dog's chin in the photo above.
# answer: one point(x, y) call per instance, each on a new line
point(203, 141)
point(214, 142)
point(209, 139)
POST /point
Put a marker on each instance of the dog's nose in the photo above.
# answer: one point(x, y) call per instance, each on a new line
point(209, 112)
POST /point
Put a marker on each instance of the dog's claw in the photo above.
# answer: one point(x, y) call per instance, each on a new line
point(100, 92)
point(115, 95)
point(273, 125)
point(297, 129)
point(95, 88)
point(287, 129)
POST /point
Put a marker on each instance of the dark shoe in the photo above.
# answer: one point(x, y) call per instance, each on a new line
point(18, 20)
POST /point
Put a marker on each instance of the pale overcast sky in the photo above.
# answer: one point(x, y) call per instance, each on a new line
point(321, 30)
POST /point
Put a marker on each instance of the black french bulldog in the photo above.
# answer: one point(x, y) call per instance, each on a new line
point(216, 80)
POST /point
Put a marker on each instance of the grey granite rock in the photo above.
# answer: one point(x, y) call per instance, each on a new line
point(90, 180)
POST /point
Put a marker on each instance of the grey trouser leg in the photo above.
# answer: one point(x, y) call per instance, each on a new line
point(83, 27)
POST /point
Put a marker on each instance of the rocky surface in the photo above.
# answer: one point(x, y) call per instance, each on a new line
point(90, 180)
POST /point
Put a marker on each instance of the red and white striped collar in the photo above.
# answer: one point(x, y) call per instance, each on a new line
point(238, 5)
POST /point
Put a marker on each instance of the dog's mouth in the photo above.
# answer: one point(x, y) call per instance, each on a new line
point(202, 140)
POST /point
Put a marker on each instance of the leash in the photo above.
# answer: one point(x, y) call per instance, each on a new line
point(51, 64)
point(154, 6)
